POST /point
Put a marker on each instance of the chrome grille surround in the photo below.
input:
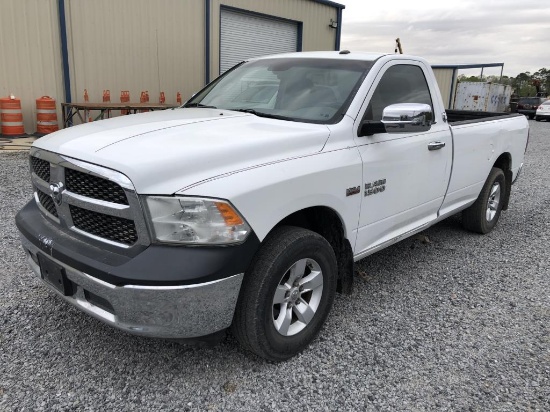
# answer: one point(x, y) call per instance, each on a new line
point(114, 212)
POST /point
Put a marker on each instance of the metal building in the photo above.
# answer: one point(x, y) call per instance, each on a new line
point(61, 47)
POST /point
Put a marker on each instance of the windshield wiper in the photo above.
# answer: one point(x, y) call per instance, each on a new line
point(205, 106)
point(260, 114)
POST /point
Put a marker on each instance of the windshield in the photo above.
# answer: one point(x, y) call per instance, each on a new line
point(299, 89)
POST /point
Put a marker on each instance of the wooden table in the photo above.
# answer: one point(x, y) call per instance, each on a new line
point(83, 110)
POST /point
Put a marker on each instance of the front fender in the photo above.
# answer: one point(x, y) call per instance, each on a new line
point(266, 195)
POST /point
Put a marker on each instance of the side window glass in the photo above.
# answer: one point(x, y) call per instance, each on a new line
point(400, 84)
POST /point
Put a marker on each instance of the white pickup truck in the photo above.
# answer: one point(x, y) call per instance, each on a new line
point(247, 208)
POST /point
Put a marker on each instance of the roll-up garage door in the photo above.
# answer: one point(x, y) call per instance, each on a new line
point(243, 36)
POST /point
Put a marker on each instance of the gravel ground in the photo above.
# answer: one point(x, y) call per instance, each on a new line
point(445, 321)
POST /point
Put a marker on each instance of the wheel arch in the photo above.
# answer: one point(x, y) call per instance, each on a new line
point(504, 162)
point(328, 223)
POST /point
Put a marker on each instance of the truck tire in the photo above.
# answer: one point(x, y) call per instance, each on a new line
point(483, 215)
point(287, 294)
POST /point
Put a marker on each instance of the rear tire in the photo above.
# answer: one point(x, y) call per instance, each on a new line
point(287, 294)
point(531, 116)
point(483, 215)
point(538, 119)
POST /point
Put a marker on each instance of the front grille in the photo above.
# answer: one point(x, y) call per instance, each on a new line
point(41, 168)
point(95, 187)
point(108, 227)
point(47, 202)
point(89, 200)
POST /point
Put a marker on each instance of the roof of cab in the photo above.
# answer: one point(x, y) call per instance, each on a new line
point(326, 55)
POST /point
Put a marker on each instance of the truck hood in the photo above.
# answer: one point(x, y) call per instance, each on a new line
point(166, 151)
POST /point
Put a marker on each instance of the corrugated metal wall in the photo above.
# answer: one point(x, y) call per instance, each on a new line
point(130, 45)
point(445, 82)
point(135, 45)
point(30, 63)
point(317, 35)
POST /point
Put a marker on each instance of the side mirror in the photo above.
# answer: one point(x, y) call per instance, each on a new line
point(370, 127)
point(407, 118)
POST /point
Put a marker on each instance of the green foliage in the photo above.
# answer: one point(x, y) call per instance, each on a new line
point(464, 78)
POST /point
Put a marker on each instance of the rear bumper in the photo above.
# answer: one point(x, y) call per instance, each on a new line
point(176, 312)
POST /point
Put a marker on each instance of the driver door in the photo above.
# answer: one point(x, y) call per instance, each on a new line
point(404, 182)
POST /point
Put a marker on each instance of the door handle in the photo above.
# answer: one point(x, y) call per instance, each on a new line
point(436, 145)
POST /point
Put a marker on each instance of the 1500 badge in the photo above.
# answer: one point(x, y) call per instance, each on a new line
point(378, 186)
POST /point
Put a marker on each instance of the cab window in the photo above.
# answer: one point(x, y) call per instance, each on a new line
point(400, 84)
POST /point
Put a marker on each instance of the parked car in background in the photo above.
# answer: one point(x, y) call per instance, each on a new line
point(543, 111)
point(528, 105)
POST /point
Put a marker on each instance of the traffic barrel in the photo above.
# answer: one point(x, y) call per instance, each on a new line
point(107, 99)
point(124, 98)
point(87, 112)
point(46, 115)
point(144, 98)
point(11, 116)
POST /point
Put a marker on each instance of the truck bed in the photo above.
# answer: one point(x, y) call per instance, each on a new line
point(456, 117)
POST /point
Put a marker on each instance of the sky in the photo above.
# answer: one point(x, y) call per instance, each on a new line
point(513, 32)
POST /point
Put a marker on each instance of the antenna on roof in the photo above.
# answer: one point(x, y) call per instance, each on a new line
point(398, 46)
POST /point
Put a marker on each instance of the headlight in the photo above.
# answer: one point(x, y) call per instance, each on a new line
point(193, 220)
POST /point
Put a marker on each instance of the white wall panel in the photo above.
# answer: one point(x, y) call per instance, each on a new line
point(135, 45)
point(30, 62)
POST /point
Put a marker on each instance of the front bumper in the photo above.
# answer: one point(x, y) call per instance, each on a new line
point(157, 290)
point(175, 312)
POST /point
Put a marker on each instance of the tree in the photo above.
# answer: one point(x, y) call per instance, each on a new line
point(464, 78)
point(541, 78)
point(522, 84)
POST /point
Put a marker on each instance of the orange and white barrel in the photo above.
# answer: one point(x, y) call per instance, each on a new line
point(107, 99)
point(124, 98)
point(46, 115)
point(144, 99)
point(11, 116)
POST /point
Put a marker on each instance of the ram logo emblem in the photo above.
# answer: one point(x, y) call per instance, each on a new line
point(56, 193)
point(353, 190)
